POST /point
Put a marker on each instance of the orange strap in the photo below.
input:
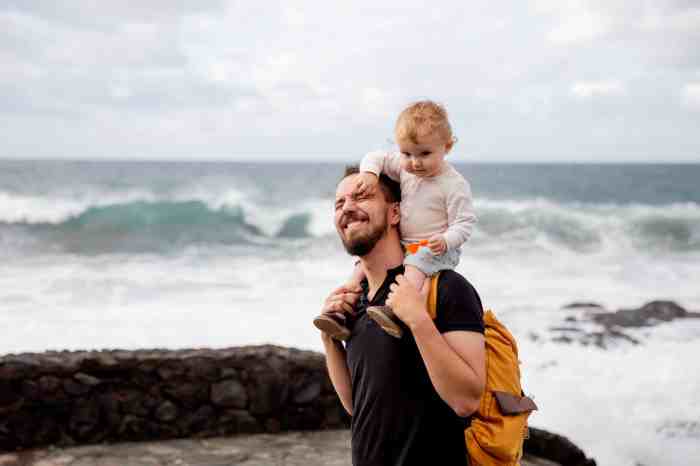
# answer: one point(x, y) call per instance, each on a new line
point(433, 295)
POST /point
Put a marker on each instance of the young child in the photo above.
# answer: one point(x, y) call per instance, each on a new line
point(437, 215)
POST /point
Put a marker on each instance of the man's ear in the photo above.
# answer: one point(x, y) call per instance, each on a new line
point(394, 213)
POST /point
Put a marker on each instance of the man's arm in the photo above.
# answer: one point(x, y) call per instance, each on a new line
point(338, 370)
point(455, 360)
point(455, 363)
point(340, 300)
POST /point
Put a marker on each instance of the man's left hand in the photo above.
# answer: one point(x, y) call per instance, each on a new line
point(407, 302)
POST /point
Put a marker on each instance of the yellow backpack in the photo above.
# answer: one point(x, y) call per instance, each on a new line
point(499, 427)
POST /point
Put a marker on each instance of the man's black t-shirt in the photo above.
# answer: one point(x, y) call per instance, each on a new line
point(398, 417)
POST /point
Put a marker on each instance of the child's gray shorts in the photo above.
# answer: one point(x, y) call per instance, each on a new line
point(430, 264)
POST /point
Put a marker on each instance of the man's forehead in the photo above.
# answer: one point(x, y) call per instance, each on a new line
point(346, 186)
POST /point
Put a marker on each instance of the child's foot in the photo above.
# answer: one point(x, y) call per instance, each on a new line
point(386, 319)
point(332, 326)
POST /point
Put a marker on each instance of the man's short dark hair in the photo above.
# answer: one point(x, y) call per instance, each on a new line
point(390, 188)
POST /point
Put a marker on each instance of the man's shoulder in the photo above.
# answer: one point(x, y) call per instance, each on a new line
point(458, 304)
point(455, 282)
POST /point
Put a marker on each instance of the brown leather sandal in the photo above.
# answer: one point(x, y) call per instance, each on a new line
point(386, 319)
point(332, 327)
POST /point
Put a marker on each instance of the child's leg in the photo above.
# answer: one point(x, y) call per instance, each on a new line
point(416, 278)
point(336, 326)
point(358, 274)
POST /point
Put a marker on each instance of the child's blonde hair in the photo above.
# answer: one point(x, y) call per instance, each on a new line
point(421, 119)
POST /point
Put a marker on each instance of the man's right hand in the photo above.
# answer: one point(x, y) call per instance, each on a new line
point(341, 301)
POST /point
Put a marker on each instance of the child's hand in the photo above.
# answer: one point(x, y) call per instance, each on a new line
point(366, 181)
point(437, 244)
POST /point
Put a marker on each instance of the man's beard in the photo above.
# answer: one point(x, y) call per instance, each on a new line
point(364, 244)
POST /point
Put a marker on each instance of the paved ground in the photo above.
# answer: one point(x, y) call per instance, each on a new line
point(322, 448)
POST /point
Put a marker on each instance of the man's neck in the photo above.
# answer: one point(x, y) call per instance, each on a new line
point(386, 254)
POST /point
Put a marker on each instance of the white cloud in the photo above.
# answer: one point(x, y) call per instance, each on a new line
point(318, 78)
point(588, 89)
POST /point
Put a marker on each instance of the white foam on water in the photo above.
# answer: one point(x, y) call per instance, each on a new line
point(623, 406)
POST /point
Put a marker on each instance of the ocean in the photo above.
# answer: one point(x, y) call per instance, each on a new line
point(179, 254)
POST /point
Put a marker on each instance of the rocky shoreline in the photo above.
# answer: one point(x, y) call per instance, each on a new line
point(309, 448)
point(590, 323)
point(66, 399)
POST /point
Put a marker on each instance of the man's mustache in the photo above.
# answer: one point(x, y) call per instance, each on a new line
point(349, 217)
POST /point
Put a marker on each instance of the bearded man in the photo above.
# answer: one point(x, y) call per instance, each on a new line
point(410, 398)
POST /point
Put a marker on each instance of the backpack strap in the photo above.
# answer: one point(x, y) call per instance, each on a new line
point(433, 295)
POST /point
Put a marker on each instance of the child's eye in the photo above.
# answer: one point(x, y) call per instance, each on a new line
point(425, 153)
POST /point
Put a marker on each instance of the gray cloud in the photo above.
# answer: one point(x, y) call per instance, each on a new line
point(547, 80)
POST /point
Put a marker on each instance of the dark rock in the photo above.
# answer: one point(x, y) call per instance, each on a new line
point(306, 417)
point(86, 416)
point(167, 411)
point(582, 304)
point(556, 448)
point(201, 367)
point(203, 418)
point(9, 393)
point(49, 384)
point(110, 412)
point(16, 368)
point(229, 372)
point(267, 389)
point(649, 314)
point(272, 426)
point(308, 392)
point(86, 379)
point(187, 392)
point(612, 324)
point(31, 389)
point(74, 388)
point(230, 393)
point(237, 421)
point(135, 401)
point(170, 369)
point(133, 427)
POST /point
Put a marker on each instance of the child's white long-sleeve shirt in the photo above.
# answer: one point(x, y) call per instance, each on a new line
point(429, 206)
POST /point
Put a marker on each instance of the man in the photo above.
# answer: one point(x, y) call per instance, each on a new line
point(410, 399)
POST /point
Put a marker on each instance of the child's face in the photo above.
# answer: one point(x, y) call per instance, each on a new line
point(426, 158)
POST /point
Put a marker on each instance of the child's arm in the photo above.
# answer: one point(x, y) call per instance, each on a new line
point(460, 215)
point(379, 162)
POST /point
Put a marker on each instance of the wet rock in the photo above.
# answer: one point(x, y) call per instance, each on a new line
point(167, 411)
point(582, 304)
point(86, 416)
point(239, 420)
point(650, 314)
point(557, 448)
point(86, 379)
point(8, 393)
point(609, 328)
point(74, 388)
point(229, 393)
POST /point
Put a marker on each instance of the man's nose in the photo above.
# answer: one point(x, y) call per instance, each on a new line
point(349, 204)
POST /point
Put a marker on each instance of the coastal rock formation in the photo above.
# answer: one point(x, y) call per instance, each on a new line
point(595, 326)
point(68, 398)
point(87, 397)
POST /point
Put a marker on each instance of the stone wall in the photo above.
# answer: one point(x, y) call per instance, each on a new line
point(67, 398)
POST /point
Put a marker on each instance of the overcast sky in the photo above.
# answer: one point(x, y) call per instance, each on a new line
point(546, 80)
